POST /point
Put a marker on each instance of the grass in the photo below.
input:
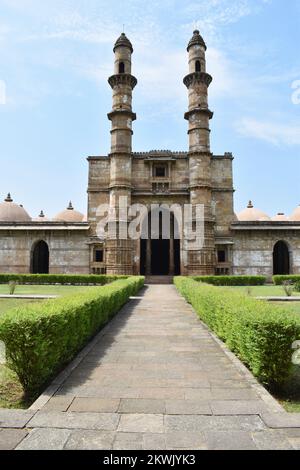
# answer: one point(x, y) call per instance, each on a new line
point(8, 304)
point(44, 289)
point(289, 395)
point(263, 291)
point(11, 391)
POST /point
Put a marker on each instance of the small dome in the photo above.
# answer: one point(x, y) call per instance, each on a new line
point(197, 40)
point(11, 212)
point(41, 217)
point(123, 41)
point(296, 215)
point(280, 217)
point(69, 215)
point(252, 215)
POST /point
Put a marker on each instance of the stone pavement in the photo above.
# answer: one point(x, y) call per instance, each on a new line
point(154, 378)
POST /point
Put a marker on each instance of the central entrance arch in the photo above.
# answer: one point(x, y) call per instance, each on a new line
point(40, 258)
point(281, 258)
point(160, 256)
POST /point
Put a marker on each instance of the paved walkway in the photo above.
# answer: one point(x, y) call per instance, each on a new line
point(154, 378)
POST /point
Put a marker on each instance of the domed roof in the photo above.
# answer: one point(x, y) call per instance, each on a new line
point(69, 215)
point(280, 217)
point(196, 40)
point(11, 212)
point(252, 215)
point(41, 217)
point(123, 41)
point(296, 215)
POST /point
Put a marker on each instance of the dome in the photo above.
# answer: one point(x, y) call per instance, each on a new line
point(280, 217)
point(252, 215)
point(197, 40)
point(123, 41)
point(69, 215)
point(296, 215)
point(11, 212)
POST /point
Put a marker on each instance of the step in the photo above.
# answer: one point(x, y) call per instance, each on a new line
point(159, 280)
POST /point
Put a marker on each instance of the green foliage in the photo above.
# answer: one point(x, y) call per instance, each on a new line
point(280, 279)
point(41, 338)
point(12, 287)
point(297, 286)
point(260, 333)
point(79, 279)
point(232, 280)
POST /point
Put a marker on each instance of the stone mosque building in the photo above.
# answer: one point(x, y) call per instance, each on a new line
point(250, 242)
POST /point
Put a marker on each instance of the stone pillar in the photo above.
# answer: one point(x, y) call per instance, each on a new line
point(200, 261)
point(148, 256)
point(120, 250)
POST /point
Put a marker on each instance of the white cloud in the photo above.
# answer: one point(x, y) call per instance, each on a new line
point(273, 132)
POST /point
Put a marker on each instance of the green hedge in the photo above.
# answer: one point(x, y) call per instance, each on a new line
point(85, 279)
point(279, 279)
point(259, 333)
point(41, 338)
point(232, 280)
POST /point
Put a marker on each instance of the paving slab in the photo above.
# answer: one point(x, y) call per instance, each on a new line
point(154, 378)
point(10, 438)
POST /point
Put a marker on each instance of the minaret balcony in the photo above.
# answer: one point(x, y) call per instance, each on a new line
point(197, 77)
point(122, 79)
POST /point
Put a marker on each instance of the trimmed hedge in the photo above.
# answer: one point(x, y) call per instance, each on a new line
point(232, 280)
point(280, 279)
point(41, 338)
point(259, 333)
point(80, 279)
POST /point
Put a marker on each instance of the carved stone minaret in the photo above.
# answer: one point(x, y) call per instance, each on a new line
point(119, 258)
point(200, 261)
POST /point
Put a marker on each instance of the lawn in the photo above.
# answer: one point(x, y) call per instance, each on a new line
point(263, 291)
point(289, 395)
point(44, 289)
point(8, 304)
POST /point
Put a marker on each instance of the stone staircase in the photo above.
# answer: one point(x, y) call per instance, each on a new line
point(159, 280)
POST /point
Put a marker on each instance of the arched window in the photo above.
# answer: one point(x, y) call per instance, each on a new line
point(121, 67)
point(198, 66)
point(281, 258)
point(40, 258)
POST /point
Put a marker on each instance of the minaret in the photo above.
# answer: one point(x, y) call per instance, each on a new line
point(119, 251)
point(201, 262)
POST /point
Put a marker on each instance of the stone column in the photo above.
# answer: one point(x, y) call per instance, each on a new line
point(148, 256)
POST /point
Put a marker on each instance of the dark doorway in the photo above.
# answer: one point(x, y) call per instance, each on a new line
point(160, 257)
point(40, 258)
point(281, 258)
point(163, 257)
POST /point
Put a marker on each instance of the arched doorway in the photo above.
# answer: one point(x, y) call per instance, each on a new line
point(40, 258)
point(160, 256)
point(281, 258)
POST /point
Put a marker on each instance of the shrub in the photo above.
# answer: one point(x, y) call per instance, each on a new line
point(12, 287)
point(297, 286)
point(85, 279)
point(288, 288)
point(41, 338)
point(232, 280)
point(259, 333)
point(280, 279)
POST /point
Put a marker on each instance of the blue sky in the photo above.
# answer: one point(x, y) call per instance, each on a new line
point(56, 56)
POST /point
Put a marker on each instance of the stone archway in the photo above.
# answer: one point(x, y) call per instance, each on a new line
point(281, 258)
point(160, 256)
point(40, 258)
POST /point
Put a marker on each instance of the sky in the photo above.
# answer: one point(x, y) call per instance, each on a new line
point(56, 56)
